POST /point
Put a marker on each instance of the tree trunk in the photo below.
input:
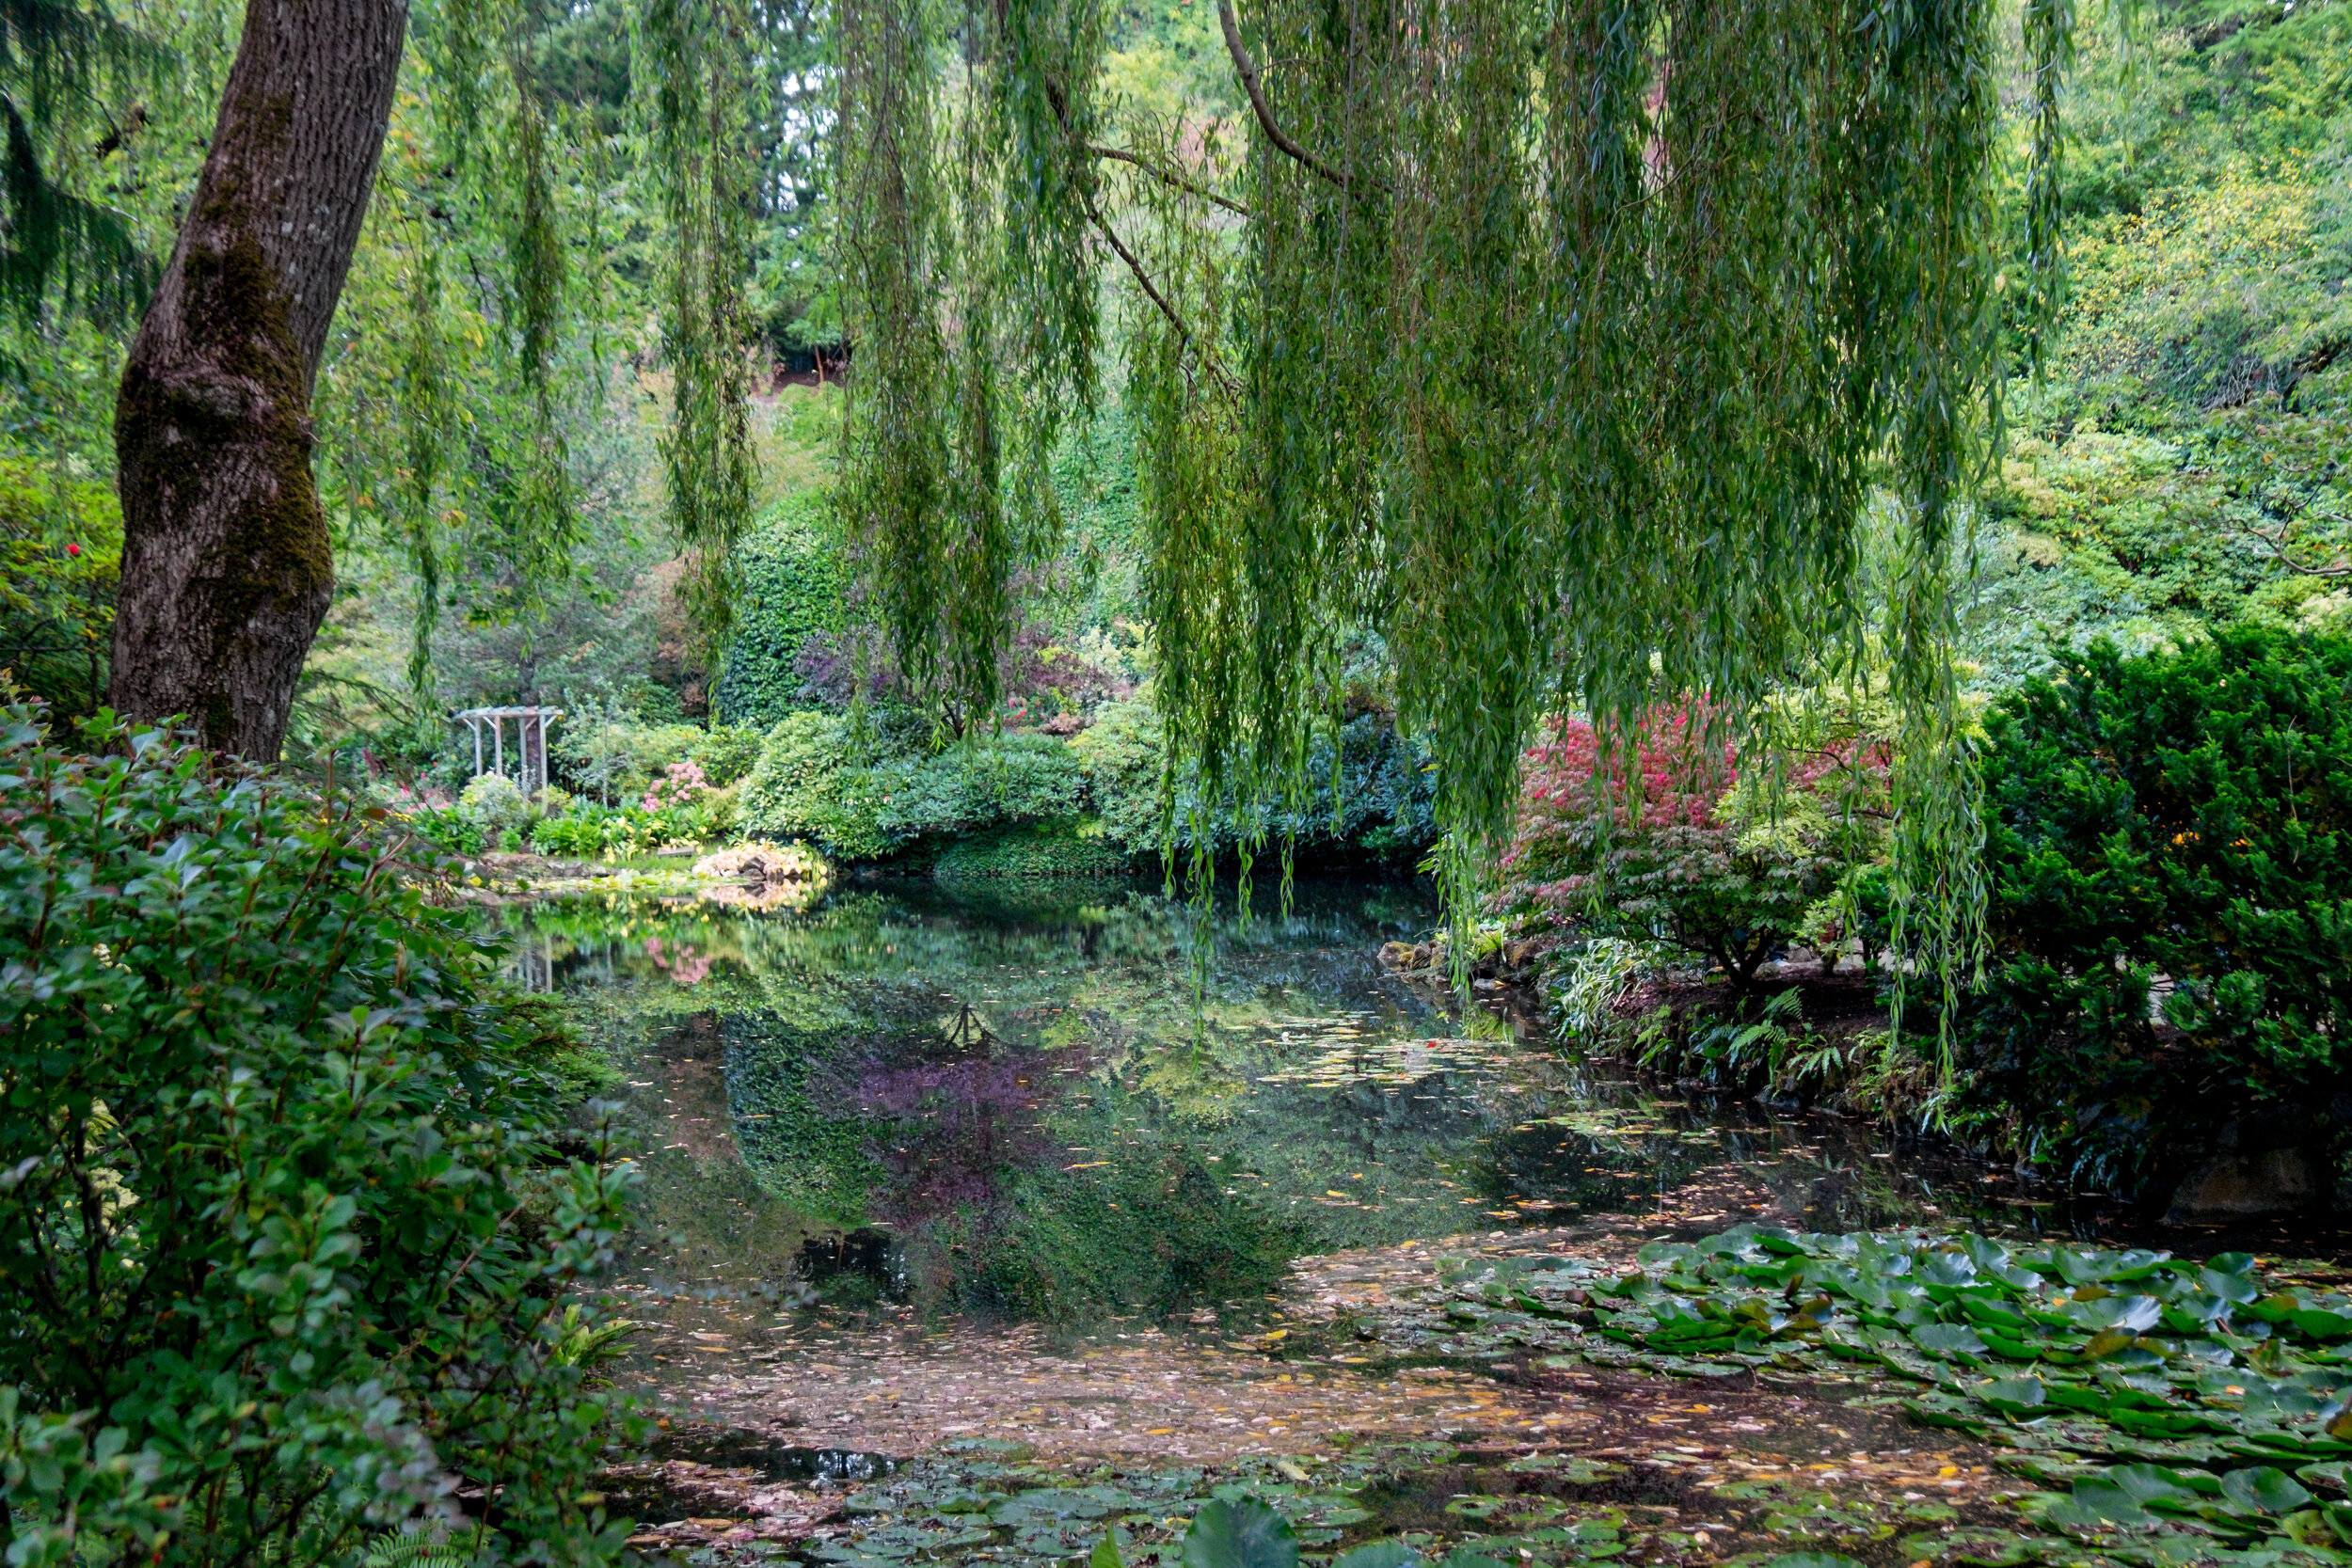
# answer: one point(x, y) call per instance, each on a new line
point(226, 566)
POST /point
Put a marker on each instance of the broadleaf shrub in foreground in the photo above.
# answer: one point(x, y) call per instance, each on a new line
point(282, 1233)
point(2170, 855)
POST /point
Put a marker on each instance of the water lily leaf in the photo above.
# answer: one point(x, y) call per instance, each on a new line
point(2081, 1268)
point(2163, 1423)
point(1948, 1340)
point(2136, 1313)
point(1380, 1554)
point(2147, 1482)
point(2321, 1323)
point(2012, 1396)
point(2269, 1490)
point(1464, 1556)
point(2227, 1285)
point(1949, 1269)
point(2331, 1475)
point(1242, 1533)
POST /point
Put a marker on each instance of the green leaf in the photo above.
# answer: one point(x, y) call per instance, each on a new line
point(2012, 1396)
point(1948, 1340)
point(1243, 1533)
point(2321, 1323)
point(1106, 1552)
point(1380, 1554)
point(2272, 1491)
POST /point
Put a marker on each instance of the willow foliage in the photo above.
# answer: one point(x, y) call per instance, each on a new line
point(1563, 342)
point(694, 60)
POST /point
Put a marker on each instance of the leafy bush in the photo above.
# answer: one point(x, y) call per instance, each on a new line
point(727, 753)
point(2170, 854)
point(445, 828)
point(61, 553)
point(1384, 805)
point(1067, 847)
point(867, 793)
point(1672, 847)
point(493, 803)
point(589, 830)
point(281, 1221)
point(873, 791)
point(793, 579)
point(798, 789)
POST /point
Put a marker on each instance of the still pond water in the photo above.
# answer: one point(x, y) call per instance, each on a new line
point(1031, 1102)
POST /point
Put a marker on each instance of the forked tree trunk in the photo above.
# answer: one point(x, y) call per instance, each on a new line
point(226, 567)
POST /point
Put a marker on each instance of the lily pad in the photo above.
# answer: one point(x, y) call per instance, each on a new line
point(1239, 1534)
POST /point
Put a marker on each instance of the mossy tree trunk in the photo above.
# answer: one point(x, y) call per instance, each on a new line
point(226, 566)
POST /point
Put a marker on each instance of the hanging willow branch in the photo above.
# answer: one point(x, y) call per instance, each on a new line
point(696, 55)
point(1571, 341)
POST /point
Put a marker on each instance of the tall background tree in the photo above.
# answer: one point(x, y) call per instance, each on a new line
point(227, 567)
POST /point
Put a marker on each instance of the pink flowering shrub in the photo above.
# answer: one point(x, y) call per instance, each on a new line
point(1667, 842)
point(684, 780)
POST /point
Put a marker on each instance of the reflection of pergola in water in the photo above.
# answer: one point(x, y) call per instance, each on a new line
point(531, 740)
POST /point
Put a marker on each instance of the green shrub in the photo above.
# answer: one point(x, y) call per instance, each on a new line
point(727, 753)
point(1384, 804)
point(613, 760)
point(974, 784)
point(803, 787)
point(281, 1221)
point(2170, 853)
point(493, 803)
point(1727, 872)
point(866, 793)
point(792, 586)
point(1067, 847)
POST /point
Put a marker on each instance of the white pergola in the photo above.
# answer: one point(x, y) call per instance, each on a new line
point(531, 740)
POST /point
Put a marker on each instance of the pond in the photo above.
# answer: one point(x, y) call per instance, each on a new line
point(1074, 1102)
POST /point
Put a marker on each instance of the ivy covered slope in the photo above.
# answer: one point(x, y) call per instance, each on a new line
point(2199, 405)
point(283, 1227)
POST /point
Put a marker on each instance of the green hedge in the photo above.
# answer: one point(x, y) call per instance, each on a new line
point(793, 582)
point(874, 789)
point(1067, 847)
point(2170, 854)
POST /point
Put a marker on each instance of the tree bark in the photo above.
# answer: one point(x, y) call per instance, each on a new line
point(226, 566)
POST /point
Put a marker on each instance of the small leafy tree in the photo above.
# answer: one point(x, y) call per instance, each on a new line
point(282, 1230)
point(1671, 843)
point(2170, 850)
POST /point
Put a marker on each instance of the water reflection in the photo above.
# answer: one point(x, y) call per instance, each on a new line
point(1030, 1102)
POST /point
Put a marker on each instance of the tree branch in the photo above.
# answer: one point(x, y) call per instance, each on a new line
point(1257, 100)
point(2275, 544)
point(1151, 290)
point(1168, 177)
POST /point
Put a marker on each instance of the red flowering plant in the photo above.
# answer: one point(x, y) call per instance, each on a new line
point(1667, 839)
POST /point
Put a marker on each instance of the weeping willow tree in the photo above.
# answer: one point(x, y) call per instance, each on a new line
point(1563, 344)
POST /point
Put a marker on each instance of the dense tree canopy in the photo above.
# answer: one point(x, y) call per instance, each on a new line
point(1565, 343)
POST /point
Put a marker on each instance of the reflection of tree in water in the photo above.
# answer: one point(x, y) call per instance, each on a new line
point(951, 1129)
